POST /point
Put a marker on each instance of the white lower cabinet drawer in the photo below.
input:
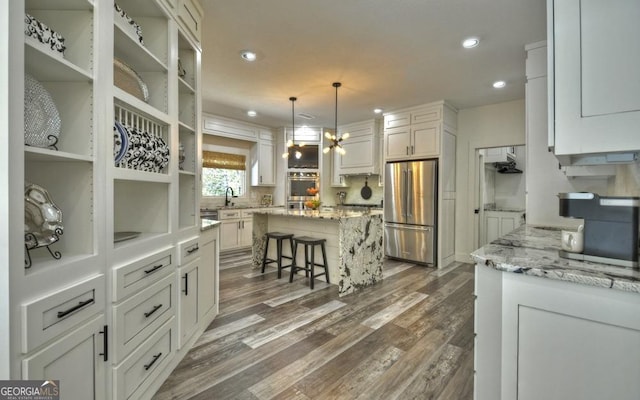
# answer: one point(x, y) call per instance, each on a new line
point(188, 250)
point(134, 277)
point(141, 315)
point(51, 315)
point(134, 375)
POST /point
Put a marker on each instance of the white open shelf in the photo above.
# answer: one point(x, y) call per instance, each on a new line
point(75, 26)
point(37, 154)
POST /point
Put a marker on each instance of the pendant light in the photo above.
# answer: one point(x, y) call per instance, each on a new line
point(292, 141)
point(334, 139)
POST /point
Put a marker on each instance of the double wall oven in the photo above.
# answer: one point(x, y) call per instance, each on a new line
point(297, 185)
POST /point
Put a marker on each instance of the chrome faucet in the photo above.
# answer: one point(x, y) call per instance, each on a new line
point(227, 201)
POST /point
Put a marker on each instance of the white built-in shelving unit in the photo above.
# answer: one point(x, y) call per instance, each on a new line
point(63, 318)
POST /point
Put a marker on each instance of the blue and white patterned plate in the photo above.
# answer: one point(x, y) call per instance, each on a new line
point(120, 142)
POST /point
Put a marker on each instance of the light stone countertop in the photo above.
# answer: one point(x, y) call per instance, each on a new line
point(319, 214)
point(206, 224)
point(533, 251)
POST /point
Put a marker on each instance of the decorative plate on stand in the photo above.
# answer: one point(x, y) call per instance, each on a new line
point(41, 118)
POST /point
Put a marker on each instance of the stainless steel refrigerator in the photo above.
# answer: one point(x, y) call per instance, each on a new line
point(410, 199)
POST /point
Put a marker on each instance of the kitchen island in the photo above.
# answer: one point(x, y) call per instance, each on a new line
point(552, 328)
point(354, 242)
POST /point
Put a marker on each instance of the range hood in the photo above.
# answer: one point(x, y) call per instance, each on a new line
point(507, 168)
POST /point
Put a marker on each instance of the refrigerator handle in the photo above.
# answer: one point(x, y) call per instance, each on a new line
point(404, 186)
point(410, 193)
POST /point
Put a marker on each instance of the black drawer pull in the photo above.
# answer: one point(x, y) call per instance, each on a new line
point(155, 268)
point(155, 308)
point(62, 314)
point(193, 249)
point(105, 340)
point(155, 358)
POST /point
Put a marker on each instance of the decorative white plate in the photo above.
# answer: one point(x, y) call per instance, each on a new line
point(41, 118)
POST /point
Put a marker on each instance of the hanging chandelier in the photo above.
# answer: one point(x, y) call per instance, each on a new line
point(335, 141)
point(291, 142)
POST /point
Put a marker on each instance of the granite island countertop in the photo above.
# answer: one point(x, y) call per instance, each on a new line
point(533, 251)
point(336, 214)
point(354, 252)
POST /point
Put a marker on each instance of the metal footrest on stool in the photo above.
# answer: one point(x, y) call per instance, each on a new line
point(310, 263)
point(279, 238)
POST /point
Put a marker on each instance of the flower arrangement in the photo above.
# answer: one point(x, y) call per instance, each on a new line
point(312, 204)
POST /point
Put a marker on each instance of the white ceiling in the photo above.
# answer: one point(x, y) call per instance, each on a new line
point(386, 53)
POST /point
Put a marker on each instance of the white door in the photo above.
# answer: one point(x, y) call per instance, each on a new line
point(480, 236)
point(77, 360)
point(188, 300)
point(266, 162)
point(207, 278)
point(229, 234)
point(425, 139)
point(246, 232)
point(359, 154)
point(398, 142)
point(597, 90)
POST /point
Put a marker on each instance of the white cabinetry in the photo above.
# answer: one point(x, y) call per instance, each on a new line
point(208, 278)
point(581, 341)
point(77, 360)
point(361, 149)
point(337, 180)
point(67, 295)
point(499, 223)
point(263, 165)
point(190, 15)
point(594, 92)
point(413, 134)
point(429, 132)
point(236, 229)
point(500, 154)
point(188, 299)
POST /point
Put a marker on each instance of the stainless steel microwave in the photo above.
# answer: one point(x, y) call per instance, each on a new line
point(304, 157)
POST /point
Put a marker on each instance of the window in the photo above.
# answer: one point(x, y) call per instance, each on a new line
point(223, 170)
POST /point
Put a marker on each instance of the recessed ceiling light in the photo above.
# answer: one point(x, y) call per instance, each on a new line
point(248, 55)
point(470, 43)
point(377, 110)
point(499, 84)
point(252, 113)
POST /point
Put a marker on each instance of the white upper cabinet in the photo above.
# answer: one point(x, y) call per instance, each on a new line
point(594, 90)
point(263, 166)
point(413, 134)
point(361, 149)
point(500, 154)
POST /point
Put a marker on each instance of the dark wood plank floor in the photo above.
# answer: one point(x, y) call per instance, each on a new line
point(409, 337)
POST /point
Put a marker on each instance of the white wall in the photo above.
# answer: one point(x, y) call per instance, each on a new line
point(510, 188)
point(495, 125)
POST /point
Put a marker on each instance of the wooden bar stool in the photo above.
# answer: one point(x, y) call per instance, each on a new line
point(279, 237)
point(309, 262)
